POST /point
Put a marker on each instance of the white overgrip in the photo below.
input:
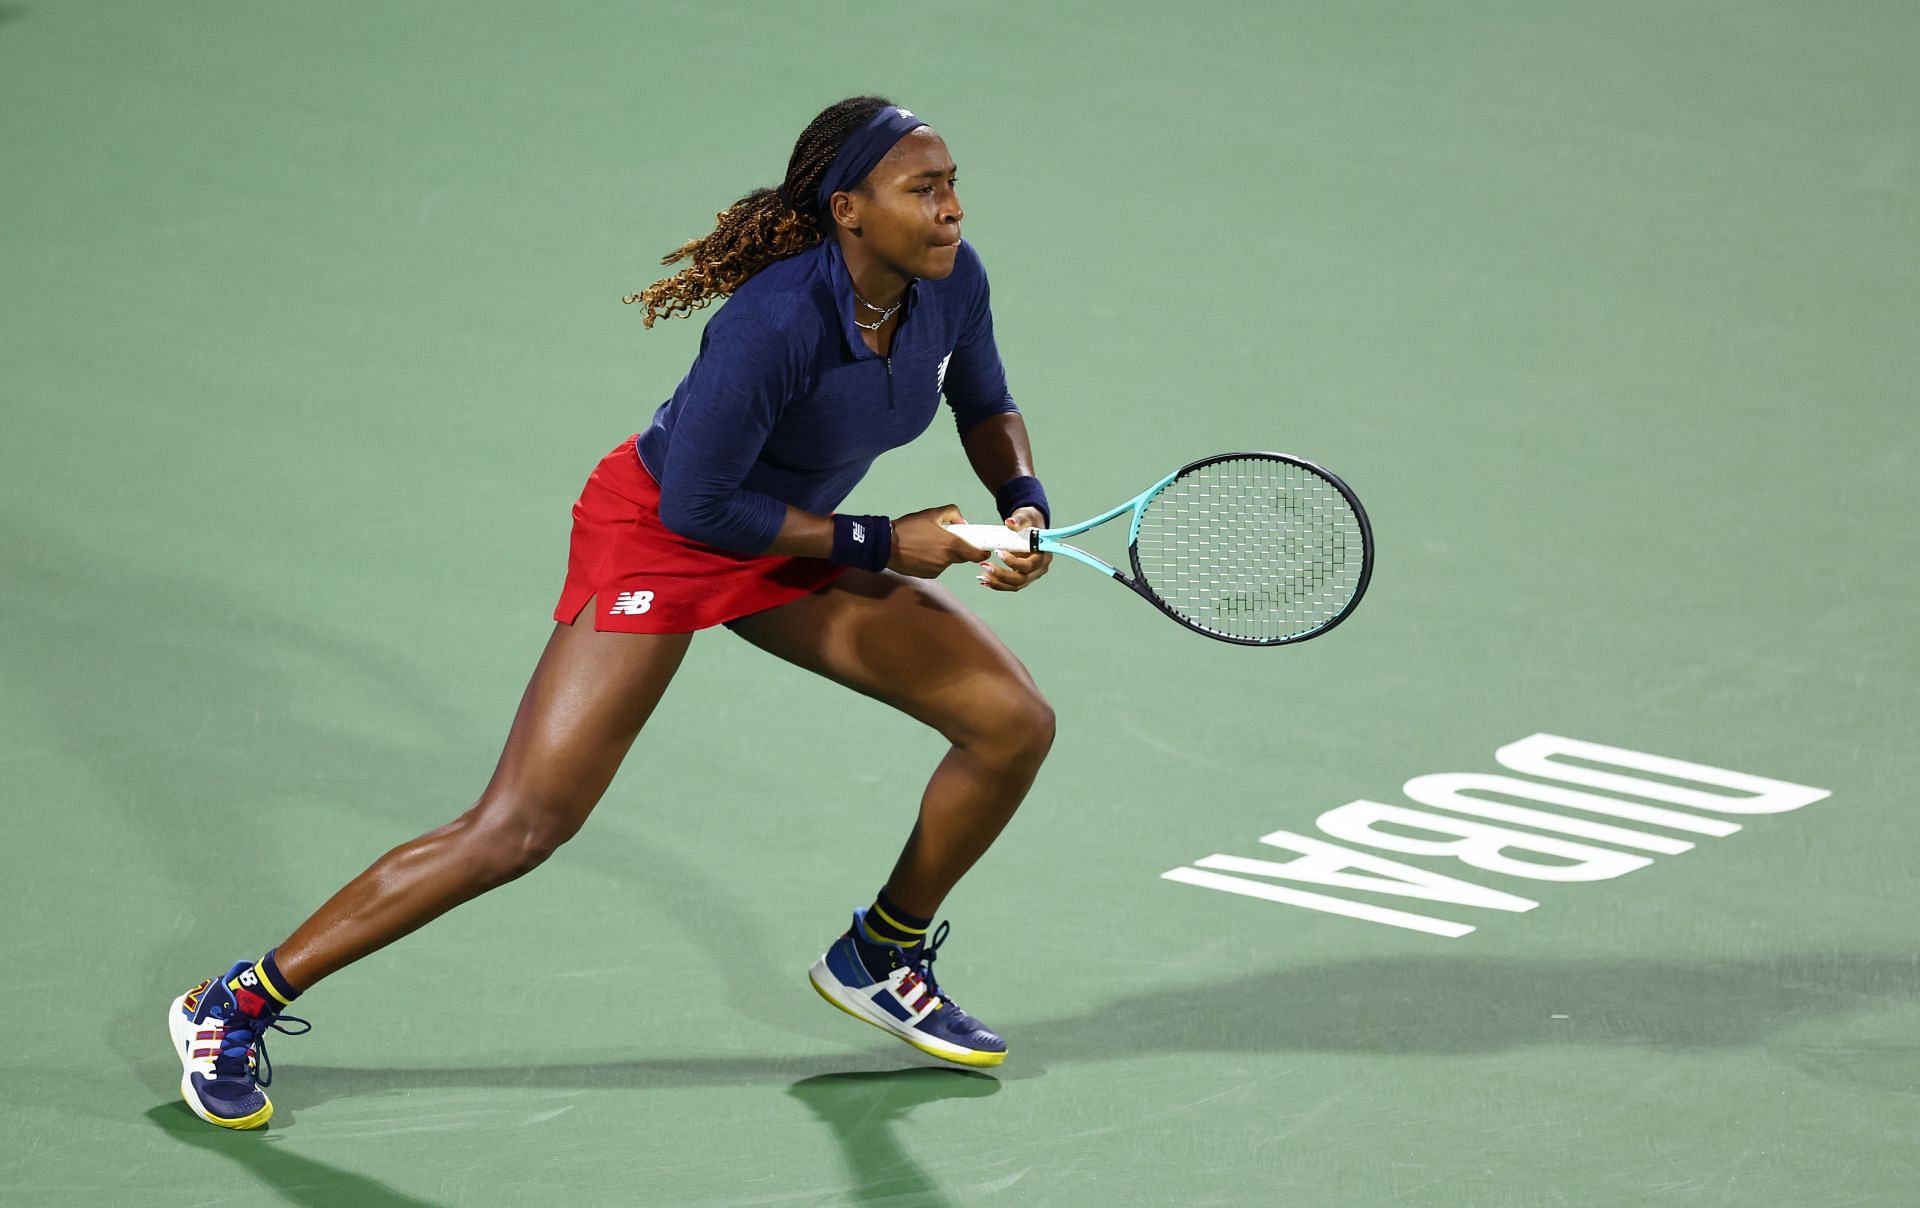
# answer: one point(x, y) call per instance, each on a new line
point(991, 537)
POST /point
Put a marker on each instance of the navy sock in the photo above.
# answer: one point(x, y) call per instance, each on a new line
point(263, 989)
point(886, 923)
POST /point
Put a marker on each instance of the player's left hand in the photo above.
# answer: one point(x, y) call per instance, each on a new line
point(1020, 569)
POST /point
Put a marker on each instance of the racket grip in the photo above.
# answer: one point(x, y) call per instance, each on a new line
point(992, 536)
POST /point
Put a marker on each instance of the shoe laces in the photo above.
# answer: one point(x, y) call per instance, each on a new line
point(956, 1017)
point(240, 1033)
point(928, 950)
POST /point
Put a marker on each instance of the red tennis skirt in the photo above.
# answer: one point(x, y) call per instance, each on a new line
point(645, 578)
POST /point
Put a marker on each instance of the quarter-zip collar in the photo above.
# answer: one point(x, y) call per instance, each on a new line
point(834, 265)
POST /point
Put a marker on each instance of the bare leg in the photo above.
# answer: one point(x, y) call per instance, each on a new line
point(910, 644)
point(589, 695)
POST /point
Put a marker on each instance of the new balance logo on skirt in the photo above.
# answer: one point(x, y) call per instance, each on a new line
point(631, 604)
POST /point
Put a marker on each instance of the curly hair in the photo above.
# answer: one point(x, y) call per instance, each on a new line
point(764, 226)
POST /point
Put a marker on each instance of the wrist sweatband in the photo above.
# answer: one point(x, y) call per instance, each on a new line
point(862, 541)
point(1023, 492)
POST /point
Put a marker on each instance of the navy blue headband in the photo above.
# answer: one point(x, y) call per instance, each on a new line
point(863, 149)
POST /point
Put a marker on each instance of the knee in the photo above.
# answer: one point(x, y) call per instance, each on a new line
point(1038, 727)
point(1016, 731)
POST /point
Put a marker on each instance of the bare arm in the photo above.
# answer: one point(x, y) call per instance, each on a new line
point(997, 447)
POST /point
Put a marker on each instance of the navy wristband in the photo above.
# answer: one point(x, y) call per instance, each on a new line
point(1023, 492)
point(862, 541)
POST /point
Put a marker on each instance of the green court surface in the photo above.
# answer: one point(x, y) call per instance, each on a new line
point(310, 331)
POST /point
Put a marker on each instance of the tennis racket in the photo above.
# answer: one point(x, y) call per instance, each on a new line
point(1262, 549)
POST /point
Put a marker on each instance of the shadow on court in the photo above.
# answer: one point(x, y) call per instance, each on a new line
point(862, 1111)
point(1474, 1004)
point(1417, 1005)
point(298, 1179)
point(1413, 1005)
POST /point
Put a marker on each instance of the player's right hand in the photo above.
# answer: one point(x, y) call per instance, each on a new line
point(923, 549)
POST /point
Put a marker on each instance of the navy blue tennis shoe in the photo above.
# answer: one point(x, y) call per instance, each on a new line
point(903, 998)
point(219, 1034)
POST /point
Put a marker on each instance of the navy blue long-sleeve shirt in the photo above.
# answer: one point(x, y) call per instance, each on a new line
point(786, 404)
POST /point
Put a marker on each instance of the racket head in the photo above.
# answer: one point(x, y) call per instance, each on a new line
point(1255, 548)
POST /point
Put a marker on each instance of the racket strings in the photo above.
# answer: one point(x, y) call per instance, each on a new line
point(1252, 548)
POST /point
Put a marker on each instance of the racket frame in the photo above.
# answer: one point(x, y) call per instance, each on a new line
point(1048, 541)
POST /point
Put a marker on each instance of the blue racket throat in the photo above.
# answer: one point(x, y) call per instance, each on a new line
point(1258, 549)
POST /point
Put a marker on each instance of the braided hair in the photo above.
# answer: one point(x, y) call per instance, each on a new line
point(764, 226)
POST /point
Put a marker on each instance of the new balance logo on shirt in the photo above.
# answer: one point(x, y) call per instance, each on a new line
point(631, 604)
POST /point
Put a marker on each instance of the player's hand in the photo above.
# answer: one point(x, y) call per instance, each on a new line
point(1020, 569)
point(923, 549)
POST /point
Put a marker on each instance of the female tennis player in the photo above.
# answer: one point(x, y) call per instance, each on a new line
point(853, 306)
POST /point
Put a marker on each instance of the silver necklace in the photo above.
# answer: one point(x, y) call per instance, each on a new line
point(885, 313)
